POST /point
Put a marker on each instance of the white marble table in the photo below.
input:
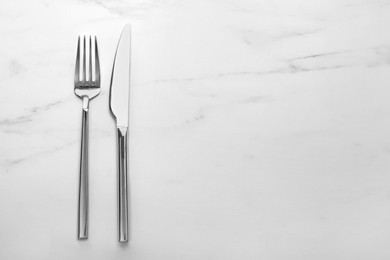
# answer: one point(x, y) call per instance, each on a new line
point(259, 130)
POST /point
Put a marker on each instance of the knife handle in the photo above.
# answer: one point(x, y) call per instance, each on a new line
point(122, 178)
point(83, 182)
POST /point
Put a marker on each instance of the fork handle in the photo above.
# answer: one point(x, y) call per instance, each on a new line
point(83, 183)
point(122, 184)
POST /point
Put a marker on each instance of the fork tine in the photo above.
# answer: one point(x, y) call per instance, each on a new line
point(84, 63)
point(90, 59)
point(97, 64)
point(77, 66)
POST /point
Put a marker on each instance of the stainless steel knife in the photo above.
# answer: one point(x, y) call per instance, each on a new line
point(119, 105)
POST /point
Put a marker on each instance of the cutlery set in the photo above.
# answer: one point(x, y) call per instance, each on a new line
point(87, 87)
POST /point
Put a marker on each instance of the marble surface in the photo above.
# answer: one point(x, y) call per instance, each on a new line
point(259, 130)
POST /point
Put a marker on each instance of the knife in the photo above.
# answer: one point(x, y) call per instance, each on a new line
point(119, 106)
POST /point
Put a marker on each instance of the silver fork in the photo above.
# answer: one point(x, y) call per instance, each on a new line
point(85, 88)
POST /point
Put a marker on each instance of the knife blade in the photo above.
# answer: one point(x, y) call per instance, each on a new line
point(119, 106)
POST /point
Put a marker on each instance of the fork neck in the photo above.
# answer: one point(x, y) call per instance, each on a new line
point(85, 103)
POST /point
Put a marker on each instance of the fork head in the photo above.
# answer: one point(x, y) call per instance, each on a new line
point(87, 85)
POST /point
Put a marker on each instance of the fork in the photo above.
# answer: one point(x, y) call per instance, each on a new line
point(85, 88)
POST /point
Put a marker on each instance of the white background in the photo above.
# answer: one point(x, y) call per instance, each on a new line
point(258, 130)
